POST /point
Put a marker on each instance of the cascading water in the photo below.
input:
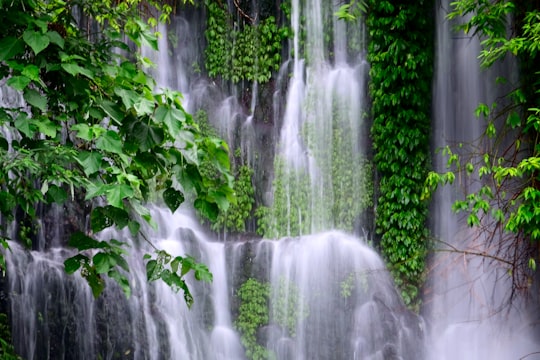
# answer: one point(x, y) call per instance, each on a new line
point(466, 297)
point(331, 296)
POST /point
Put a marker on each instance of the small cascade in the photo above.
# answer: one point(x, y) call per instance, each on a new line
point(320, 172)
point(330, 298)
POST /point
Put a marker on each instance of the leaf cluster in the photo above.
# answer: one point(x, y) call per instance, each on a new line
point(92, 126)
point(509, 153)
point(400, 54)
point(243, 51)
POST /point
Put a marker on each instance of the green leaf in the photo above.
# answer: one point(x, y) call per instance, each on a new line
point(111, 142)
point(10, 47)
point(55, 38)
point(36, 40)
point(172, 118)
point(134, 227)
point(122, 281)
point(18, 82)
point(46, 127)
point(147, 136)
point(129, 97)
point(207, 209)
point(173, 198)
point(74, 69)
point(117, 193)
point(73, 263)
point(105, 216)
point(90, 161)
point(25, 125)
point(36, 99)
point(153, 270)
point(56, 194)
point(82, 242)
point(103, 262)
point(113, 110)
point(31, 72)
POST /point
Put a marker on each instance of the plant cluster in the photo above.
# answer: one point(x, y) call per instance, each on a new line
point(506, 203)
point(242, 50)
point(400, 53)
point(253, 313)
point(92, 127)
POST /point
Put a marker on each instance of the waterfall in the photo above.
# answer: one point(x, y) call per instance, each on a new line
point(320, 173)
point(326, 293)
point(467, 296)
point(331, 298)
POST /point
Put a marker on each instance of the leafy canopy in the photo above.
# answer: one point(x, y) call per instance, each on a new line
point(93, 129)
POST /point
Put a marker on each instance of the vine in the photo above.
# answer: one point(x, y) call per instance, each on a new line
point(245, 51)
point(252, 314)
point(400, 53)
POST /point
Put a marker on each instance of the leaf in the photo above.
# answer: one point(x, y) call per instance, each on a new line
point(113, 110)
point(129, 97)
point(36, 99)
point(90, 161)
point(103, 262)
point(18, 82)
point(117, 193)
point(153, 270)
point(56, 194)
point(46, 127)
point(122, 281)
point(84, 131)
point(31, 72)
point(10, 47)
point(105, 216)
point(171, 117)
point(111, 142)
point(55, 38)
point(207, 209)
point(146, 136)
point(37, 41)
point(73, 263)
point(173, 198)
point(25, 125)
point(74, 69)
point(82, 242)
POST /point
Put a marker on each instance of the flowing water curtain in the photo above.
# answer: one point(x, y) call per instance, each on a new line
point(321, 176)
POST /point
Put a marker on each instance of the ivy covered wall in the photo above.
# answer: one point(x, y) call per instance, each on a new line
point(400, 53)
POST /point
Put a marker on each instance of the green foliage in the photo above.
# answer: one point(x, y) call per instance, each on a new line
point(352, 11)
point(94, 128)
point(509, 196)
point(253, 314)
point(400, 53)
point(7, 352)
point(234, 219)
point(242, 52)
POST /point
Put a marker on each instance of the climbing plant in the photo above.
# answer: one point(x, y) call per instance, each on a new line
point(241, 49)
point(93, 130)
point(253, 313)
point(400, 53)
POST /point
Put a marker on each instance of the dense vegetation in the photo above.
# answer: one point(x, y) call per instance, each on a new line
point(506, 205)
point(400, 52)
point(94, 131)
